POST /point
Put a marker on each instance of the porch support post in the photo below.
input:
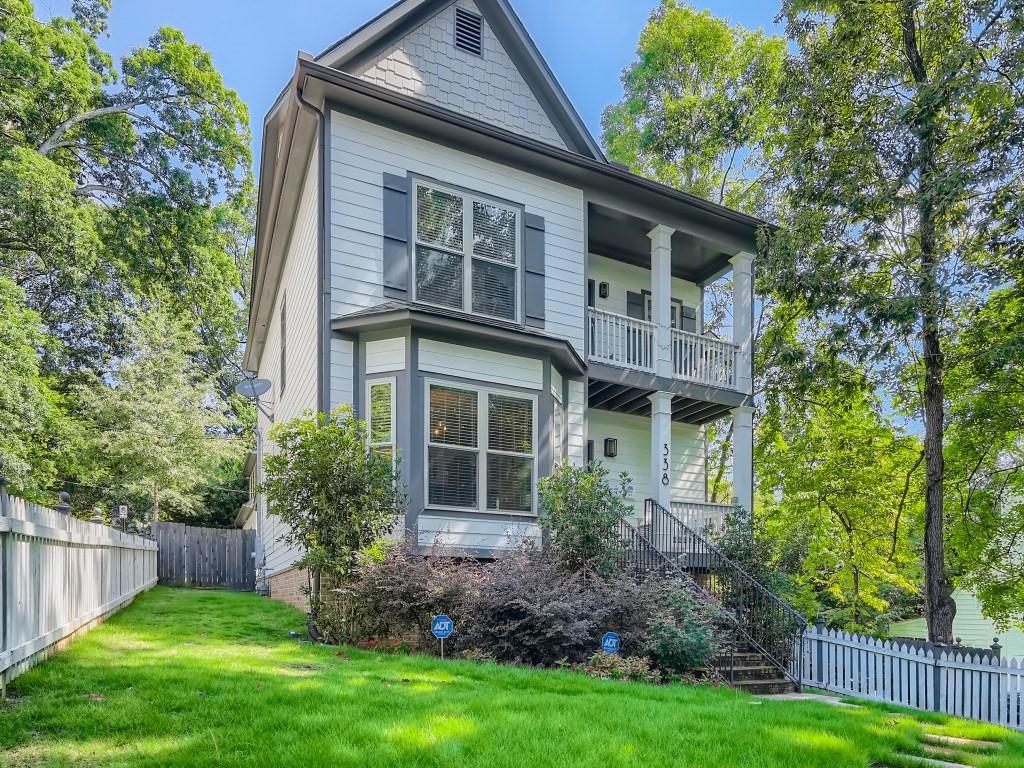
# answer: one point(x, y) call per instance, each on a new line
point(661, 448)
point(743, 319)
point(743, 456)
point(661, 297)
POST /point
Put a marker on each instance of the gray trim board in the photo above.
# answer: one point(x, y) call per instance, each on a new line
point(512, 338)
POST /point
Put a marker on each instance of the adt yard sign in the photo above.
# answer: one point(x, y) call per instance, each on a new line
point(442, 626)
point(610, 642)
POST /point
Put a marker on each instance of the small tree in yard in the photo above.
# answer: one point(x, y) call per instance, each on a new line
point(580, 510)
point(336, 494)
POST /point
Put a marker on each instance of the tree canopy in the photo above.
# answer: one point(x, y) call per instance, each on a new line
point(125, 232)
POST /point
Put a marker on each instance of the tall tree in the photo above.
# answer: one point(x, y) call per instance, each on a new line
point(902, 162)
point(698, 106)
point(108, 175)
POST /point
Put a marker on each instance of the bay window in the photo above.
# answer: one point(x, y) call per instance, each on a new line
point(480, 449)
point(467, 252)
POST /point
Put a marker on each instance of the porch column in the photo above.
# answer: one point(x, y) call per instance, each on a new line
point(743, 319)
point(743, 456)
point(661, 297)
point(661, 448)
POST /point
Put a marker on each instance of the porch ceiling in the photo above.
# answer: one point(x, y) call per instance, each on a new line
point(624, 237)
point(622, 398)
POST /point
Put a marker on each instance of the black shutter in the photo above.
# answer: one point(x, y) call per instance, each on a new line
point(533, 264)
point(397, 236)
point(635, 306)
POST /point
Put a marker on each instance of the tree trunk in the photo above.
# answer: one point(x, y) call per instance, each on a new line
point(722, 460)
point(939, 606)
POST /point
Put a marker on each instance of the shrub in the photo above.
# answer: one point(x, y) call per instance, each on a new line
point(531, 610)
point(396, 593)
point(681, 636)
point(335, 494)
point(634, 669)
point(581, 511)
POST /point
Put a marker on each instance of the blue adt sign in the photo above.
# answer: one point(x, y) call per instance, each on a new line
point(442, 626)
point(610, 642)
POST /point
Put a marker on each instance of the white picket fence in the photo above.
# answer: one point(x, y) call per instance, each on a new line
point(952, 681)
point(59, 576)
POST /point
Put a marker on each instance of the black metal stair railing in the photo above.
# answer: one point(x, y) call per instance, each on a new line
point(760, 619)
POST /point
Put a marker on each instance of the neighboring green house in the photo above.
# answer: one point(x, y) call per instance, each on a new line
point(973, 629)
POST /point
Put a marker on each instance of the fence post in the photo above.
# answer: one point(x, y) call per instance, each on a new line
point(819, 653)
point(937, 691)
point(5, 604)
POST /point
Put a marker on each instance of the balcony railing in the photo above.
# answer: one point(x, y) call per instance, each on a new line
point(621, 341)
point(626, 342)
point(704, 359)
point(704, 517)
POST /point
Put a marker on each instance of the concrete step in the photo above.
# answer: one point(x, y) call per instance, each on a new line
point(742, 659)
point(752, 672)
point(765, 687)
point(958, 743)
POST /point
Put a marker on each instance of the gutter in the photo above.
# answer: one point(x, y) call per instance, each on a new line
point(349, 82)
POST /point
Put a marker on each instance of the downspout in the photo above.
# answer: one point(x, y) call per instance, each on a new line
point(323, 267)
point(323, 291)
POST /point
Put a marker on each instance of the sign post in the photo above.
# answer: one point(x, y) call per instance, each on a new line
point(122, 515)
point(610, 643)
point(441, 627)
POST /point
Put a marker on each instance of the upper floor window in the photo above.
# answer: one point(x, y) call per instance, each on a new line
point(467, 252)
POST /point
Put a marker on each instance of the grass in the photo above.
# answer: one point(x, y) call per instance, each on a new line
point(202, 678)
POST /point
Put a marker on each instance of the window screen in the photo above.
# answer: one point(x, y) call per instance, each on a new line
point(510, 430)
point(456, 232)
point(381, 410)
point(453, 419)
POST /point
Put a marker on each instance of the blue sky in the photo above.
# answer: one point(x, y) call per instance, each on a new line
point(254, 42)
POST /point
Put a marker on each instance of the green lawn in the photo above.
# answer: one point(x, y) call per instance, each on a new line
point(198, 678)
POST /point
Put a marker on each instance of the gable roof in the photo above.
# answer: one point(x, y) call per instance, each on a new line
point(405, 15)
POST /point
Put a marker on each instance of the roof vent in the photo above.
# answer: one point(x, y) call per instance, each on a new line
point(469, 32)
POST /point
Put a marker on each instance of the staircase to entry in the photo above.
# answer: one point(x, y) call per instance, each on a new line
point(762, 634)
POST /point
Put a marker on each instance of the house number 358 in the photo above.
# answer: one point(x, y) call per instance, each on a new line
point(664, 465)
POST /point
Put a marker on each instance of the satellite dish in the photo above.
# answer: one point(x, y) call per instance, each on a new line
point(252, 388)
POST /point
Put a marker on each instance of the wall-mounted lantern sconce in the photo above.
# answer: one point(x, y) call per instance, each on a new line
point(603, 290)
point(611, 447)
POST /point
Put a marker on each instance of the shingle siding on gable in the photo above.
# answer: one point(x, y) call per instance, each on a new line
point(425, 63)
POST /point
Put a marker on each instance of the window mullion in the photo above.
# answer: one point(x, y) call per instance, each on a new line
point(483, 431)
point(467, 254)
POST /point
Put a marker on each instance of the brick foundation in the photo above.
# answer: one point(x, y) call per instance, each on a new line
point(288, 586)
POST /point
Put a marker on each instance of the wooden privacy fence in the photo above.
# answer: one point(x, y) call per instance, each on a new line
point(59, 576)
point(949, 680)
point(192, 556)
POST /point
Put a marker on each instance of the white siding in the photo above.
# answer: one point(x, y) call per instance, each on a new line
point(576, 410)
point(973, 629)
point(385, 355)
point(634, 449)
point(622, 277)
point(298, 287)
point(425, 63)
point(474, 533)
point(362, 152)
point(480, 364)
point(341, 373)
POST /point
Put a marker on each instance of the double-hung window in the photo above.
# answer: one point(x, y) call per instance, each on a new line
point(480, 449)
point(467, 252)
point(380, 399)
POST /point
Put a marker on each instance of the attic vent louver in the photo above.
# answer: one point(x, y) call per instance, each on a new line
point(469, 32)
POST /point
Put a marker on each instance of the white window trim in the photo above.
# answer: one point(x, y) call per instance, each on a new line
point(481, 449)
point(468, 198)
point(392, 382)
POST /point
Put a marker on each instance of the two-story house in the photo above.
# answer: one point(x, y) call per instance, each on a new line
point(442, 245)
